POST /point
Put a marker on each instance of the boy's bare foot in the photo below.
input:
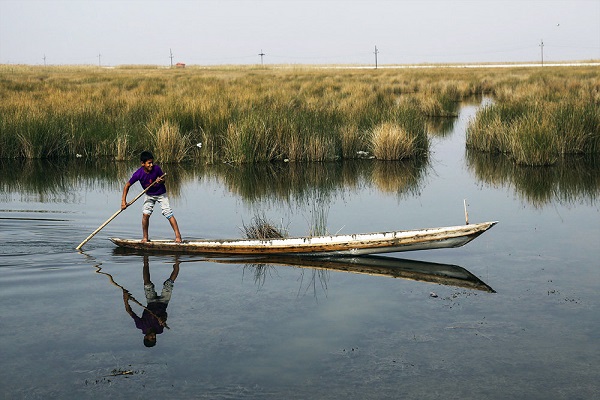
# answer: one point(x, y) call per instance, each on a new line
point(177, 240)
point(145, 240)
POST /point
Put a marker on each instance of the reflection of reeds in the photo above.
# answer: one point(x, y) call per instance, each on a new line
point(568, 181)
point(261, 271)
point(288, 182)
point(398, 177)
point(58, 180)
point(315, 184)
point(280, 181)
point(440, 126)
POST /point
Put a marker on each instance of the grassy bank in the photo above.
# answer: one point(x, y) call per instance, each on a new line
point(541, 120)
point(239, 115)
point(247, 114)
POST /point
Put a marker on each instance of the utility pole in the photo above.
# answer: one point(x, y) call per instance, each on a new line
point(261, 54)
point(375, 52)
point(171, 57)
point(44, 60)
point(542, 47)
point(99, 63)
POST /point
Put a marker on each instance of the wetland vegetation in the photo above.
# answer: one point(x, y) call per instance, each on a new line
point(250, 114)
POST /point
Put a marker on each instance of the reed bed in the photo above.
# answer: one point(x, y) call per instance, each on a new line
point(248, 115)
point(540, 121)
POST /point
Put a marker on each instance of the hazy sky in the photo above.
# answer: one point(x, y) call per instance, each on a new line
point(299, 32)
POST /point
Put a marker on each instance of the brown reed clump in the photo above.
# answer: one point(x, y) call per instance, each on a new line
point(260, 228)
point(391, 141)
point(169, 144)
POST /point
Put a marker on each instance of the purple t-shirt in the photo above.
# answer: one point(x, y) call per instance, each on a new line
point(146, 178)
point(149, 321)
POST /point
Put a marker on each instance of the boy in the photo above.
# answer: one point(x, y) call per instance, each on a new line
point(147, 174)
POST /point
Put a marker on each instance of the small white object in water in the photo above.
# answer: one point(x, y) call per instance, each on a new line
point(199, 145)
point(432, 294)
point(78, 155)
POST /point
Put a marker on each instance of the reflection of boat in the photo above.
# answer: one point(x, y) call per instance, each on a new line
point(441, 274)
point(356, 244)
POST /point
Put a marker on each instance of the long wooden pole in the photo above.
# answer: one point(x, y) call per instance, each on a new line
point(115, 215)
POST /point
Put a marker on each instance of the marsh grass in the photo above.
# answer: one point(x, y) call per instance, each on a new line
point(169, 144)
point(247, 115)
point(121, 147)
point(540, 121)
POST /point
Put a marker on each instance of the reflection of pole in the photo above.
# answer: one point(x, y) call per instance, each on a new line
point(112, 280)
point(542, 47)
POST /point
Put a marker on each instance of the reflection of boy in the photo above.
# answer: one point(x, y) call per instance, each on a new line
point(154, 316)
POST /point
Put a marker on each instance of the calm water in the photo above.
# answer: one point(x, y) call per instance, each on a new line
point(271, 331)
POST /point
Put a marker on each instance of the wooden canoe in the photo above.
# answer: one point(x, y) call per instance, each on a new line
point(333, 245)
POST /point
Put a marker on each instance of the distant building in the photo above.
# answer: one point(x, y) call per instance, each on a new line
point(180, 65)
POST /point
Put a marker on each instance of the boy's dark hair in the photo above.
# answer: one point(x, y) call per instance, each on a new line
point(145, 156)
point(149, 343)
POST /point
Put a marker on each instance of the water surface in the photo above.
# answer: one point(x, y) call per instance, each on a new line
point(246, 330)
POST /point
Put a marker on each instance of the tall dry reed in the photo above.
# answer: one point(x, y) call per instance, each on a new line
point(168, 143)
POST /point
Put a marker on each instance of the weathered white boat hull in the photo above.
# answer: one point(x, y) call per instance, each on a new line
point(343, 245)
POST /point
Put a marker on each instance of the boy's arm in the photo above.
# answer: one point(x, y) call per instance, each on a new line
point(126, 301)
point(124, 197)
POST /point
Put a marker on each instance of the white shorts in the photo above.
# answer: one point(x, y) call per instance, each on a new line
point(150, 201)
point(165, 295)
